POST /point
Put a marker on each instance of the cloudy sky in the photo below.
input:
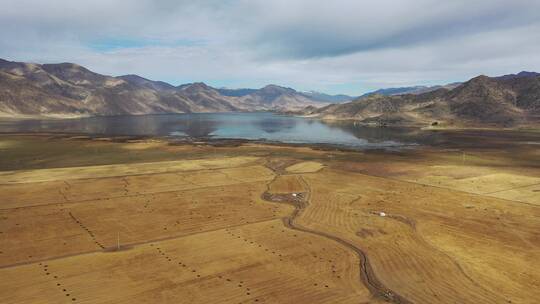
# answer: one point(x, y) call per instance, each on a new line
point(338, 46)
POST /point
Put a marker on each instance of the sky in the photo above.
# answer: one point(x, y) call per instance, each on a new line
point(338, 46)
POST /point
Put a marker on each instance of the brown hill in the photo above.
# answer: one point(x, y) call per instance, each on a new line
point(481, 101)
point(66, 90)
point(70, 90)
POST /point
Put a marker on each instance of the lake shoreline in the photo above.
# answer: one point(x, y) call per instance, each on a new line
point(458, 139)
point(202, 141)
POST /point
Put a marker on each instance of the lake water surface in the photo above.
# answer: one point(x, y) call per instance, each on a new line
point(253, 126)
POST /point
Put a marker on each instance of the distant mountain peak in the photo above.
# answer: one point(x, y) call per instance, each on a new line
point(272, 86)
point(528, 74)
point(479, 79)
point(67, 66)
point(194, 86)
point(522, 74)
point(277, 88)
point(414, 90)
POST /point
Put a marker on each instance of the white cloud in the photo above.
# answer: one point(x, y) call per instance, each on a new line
point(322, 45)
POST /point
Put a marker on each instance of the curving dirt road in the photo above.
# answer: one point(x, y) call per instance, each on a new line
point(367, 274)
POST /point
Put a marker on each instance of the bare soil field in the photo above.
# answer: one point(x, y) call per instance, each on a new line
point(145, 221)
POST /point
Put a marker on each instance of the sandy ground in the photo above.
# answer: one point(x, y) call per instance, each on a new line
point(87, 221)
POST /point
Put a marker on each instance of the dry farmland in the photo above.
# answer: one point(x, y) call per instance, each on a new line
point(87, 221)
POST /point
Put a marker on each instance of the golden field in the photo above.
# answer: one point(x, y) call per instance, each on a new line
point(146, 221)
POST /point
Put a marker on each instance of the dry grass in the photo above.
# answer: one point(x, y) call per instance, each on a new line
point(410, 228)
point(30, 176)
point(433, 245)
point(305, 167)
point(254, 263)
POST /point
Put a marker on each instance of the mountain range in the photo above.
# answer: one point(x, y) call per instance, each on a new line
point(70, 90)
point(506, 101)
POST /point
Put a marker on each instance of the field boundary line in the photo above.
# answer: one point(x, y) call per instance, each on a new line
point(130, 195)
point(137, 243)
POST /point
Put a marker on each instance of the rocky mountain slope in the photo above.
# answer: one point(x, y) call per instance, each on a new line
point(506, 101)
point(70, 90)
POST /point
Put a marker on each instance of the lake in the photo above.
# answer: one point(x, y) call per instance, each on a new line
point(252, 126)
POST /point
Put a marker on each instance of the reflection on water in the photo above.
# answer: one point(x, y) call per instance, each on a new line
point(274, 124)
point(230, 125)
point(144, 125)
point(388, 134)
